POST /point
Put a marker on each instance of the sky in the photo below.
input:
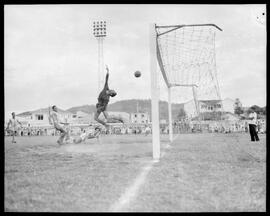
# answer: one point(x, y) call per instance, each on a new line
point(51, 54)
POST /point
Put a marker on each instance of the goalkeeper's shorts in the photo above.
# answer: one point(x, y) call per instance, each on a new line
point(101, 107)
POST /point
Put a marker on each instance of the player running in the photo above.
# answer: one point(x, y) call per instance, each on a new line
point(103, 100)
point(54, 119)
point(12, 126)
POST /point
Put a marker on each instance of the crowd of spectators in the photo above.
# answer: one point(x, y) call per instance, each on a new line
point(178, 127)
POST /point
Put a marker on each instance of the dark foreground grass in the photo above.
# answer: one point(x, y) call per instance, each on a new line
point(199, 172)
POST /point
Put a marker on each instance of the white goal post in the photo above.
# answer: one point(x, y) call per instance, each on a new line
point(186, 58)
point(154, 93)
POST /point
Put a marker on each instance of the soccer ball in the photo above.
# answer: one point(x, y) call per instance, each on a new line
point(137, 74)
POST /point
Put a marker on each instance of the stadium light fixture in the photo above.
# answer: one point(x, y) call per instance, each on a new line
point(99, 28)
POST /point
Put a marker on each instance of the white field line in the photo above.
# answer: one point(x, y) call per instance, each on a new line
point(131, 192)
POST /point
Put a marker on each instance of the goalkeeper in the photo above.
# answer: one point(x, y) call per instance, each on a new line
point(103, 100)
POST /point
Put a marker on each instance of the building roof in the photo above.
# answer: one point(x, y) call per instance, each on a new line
point(210, 101)
point(41, 111)
point(27, 113)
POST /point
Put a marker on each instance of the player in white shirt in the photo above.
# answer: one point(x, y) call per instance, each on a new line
point(12, 126)
point(55, 120)
point(252, 126)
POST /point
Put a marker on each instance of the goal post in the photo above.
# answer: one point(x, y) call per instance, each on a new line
point(154, 93)
point(170, 114)
point(186, 58)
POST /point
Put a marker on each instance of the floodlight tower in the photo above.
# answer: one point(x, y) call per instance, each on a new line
point(99, 30)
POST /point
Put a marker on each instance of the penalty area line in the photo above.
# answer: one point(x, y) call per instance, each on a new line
point(131, 192)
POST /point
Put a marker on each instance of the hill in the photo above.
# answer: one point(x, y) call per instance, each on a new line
point(132, 106)
point(83, 108)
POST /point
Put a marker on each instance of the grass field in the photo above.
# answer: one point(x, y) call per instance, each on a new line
point(197, 173)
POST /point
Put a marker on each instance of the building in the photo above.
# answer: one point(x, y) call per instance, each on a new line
point(209, 106)
point(40, 117)
point(140, 118)
point(82, 118)
point(228, 105)
point(123, 115)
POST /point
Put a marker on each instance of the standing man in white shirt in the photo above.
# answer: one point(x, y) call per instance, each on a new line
point(55, 120)
point(12, 126)
point(252, 125)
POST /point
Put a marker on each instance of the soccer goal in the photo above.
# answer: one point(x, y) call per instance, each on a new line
point(186, 58)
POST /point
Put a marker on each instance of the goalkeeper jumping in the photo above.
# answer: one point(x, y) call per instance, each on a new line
point(103, 100)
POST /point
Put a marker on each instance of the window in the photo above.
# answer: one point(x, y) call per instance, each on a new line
point(39, 117)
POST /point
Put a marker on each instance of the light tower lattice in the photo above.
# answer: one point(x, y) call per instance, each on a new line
point(99, 30)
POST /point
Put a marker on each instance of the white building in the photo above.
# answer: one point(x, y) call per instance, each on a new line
point(228, 105)
point(82, 118)
point(123, 115)
point(140, 118)
point(208, 106)
point(40, 117)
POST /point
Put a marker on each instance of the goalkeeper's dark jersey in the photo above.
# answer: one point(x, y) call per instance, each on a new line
point(104, 98)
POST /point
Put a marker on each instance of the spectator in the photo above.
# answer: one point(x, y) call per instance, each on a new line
point(12, 126)
point(252, 125)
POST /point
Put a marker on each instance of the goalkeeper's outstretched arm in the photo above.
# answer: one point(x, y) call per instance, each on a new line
point(106, 87)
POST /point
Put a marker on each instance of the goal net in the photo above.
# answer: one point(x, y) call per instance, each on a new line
point(187, 61)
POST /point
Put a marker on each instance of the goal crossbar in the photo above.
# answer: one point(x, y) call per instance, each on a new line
point(181, 26)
